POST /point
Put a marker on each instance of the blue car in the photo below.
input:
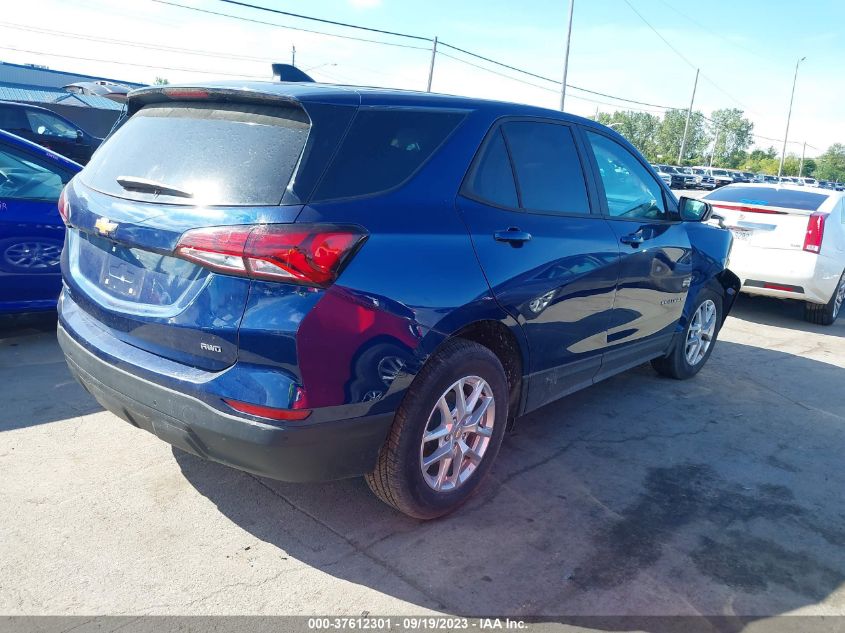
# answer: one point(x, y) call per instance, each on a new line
point(310, 282)
point(31, 230)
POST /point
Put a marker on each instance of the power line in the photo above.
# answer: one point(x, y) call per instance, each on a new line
point(292, 28)
point(406, 35)
point(324, 21)
point(106, 40)
point(124, 63)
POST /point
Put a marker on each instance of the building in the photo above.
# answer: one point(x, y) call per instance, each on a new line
point(42, 86)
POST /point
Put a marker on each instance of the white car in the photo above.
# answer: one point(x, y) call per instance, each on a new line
point(789, 242)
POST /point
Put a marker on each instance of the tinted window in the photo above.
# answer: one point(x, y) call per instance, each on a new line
point(631, 191)
point(383, 148)
point(548, 169)
point(222, 154)
point(769, 197)
point(24, 177)
point(13, 119)
point(46, 124)
point(492, 177)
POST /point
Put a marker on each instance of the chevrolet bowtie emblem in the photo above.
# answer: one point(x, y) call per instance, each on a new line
point(105, 226)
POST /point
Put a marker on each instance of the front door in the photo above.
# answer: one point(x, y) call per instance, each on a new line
point(552, 262)
point(656, 264)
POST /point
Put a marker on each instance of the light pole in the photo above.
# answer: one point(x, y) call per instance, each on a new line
point(431, 66)
point(566, 55)
point(789, 116)
point(715, 143)
point(689, 115)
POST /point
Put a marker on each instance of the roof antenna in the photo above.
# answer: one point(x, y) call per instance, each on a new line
point(287, 72)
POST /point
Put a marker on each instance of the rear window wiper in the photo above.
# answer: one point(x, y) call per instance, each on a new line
point(132, 183)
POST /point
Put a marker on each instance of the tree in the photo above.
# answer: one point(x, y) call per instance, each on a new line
point(732, 134)
point(671, 134)
point(162, 81)
point(640, 128)
point(831, 164)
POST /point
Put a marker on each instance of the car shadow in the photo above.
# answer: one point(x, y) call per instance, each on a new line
point(640, 496)
point(34, 379)
point(781, 313)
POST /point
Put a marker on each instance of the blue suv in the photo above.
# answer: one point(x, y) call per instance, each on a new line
point(311, 282)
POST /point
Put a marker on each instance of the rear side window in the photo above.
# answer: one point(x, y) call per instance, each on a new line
point(220, 154)
point(383, 148)
point(548, 170)
point(492, 177)
point(769, 197)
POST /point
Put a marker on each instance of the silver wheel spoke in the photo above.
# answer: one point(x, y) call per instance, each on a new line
point(701, 332)
point(460, 400)
point(471, 425)
point(436, 434)
point(439, 454)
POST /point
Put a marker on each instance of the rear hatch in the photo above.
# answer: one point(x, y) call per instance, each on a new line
point(178, 165)
point(772, 217)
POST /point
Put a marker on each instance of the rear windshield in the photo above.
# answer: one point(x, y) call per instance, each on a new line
point(383, 148)
point(233, 155)
point(769, 197)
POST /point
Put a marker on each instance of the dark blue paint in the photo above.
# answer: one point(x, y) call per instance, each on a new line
point(24, 288)
point(578, 302)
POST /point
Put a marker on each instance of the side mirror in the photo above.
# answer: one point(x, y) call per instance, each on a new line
point(693, 210)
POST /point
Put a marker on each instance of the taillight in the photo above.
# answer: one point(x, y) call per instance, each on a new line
point(63, 209)
point(270, 413)
point(815, 232)
point(300, 253)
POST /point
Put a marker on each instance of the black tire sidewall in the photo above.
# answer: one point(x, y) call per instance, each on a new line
point(475, 362)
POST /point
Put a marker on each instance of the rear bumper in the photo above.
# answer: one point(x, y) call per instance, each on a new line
point(295, 451)
point(811, 277)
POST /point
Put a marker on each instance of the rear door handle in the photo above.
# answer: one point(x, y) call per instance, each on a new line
point(515, 236)
point(634, 239)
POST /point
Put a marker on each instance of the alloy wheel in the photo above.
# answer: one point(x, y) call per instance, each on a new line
point(701, 332)
point(32, 255)
point(457, 434)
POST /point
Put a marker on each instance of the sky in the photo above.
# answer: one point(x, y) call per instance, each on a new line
point(746, 50)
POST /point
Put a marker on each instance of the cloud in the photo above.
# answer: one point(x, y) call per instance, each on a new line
point(365, 4)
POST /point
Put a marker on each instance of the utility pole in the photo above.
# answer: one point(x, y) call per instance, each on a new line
point(293, 55)
point(789, 116)
point(801, 165)
point(431, 67)
point(689, 116)
point(715, 143)
point(566, 55)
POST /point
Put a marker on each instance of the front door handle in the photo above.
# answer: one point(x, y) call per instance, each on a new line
point(634, 239)
point(513, 235)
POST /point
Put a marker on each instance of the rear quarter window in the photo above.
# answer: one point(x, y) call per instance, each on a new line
point(769, 197)
point(383, 148)
point(223, 154)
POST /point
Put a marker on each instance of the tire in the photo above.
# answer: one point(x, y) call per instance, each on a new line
point(399, 478)
point(677, 363)
point(826, 313)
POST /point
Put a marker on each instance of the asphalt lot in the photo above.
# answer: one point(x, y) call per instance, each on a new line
point(638, 496)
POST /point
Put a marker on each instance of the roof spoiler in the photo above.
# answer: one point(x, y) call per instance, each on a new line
point(287, 72)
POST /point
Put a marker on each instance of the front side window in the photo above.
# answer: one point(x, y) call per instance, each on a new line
point(45, 124)
point(548, 169)
point(630, 189)
point(24, 177)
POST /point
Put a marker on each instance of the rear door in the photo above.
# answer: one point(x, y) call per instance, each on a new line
point(656, 264)
point(551, 261)
point(31, 231)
